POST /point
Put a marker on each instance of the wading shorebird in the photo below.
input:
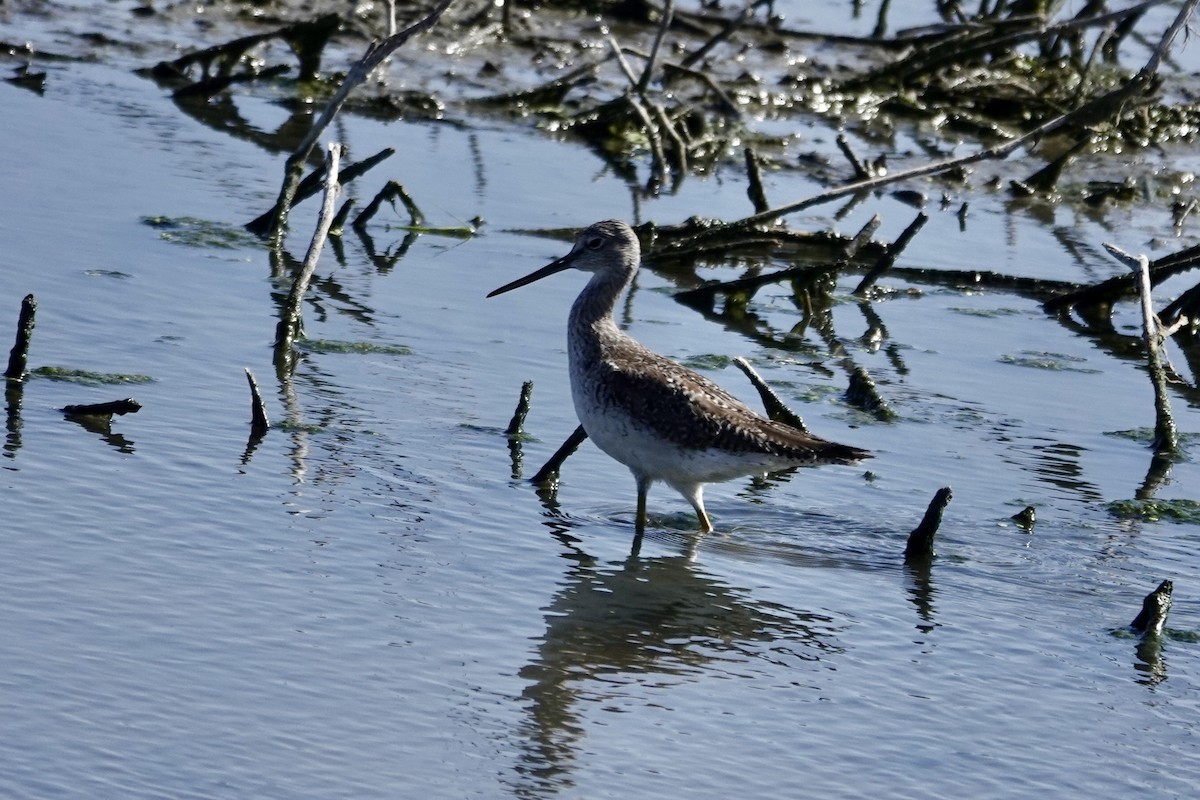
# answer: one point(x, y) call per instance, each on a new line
point(660, 419)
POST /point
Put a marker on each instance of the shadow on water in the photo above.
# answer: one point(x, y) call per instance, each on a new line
point(651, 621)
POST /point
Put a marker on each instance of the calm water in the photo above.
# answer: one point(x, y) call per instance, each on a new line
point(373, 605)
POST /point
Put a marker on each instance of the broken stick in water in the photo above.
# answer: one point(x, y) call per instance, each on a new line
point(550, 468)
point(18, 357)
point(776, 409)
point(888, 259)
point(1025, 518)
point(758, 197)
point(312, 183)
point(1155, 606)
point(920, 541)
point(1166, 436)
point(516, 426)
point(864, 395)
point(259, 424)
point(290, 321)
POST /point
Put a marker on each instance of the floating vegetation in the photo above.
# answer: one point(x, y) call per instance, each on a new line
point(1154, 510)
point(1055, 362)
point(986, 313)
point(1171, 634)
point(1146, 436)
point(709, 361)
point(203, 233)
point(294, 426)
point(87, 378)
point(338, 346)
point(106, 273)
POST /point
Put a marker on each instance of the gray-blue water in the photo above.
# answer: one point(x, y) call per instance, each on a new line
point(372, 604)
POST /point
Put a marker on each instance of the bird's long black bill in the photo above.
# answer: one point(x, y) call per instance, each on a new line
point(549, 269)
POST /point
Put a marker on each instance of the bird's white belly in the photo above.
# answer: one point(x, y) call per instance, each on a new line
point(647, 453)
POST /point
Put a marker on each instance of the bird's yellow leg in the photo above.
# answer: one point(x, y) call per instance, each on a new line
point(695, 496)
point(643, 488)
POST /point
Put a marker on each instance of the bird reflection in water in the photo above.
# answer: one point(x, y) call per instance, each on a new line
point(615, 627)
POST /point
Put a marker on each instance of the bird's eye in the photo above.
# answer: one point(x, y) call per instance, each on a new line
point(595, 243)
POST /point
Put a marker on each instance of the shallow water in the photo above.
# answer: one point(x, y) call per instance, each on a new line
point(373, 604)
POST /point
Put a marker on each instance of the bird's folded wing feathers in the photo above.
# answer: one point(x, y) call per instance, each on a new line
point(688, 409)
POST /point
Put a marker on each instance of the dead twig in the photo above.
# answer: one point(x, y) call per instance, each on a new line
point(862, 170)
point(863, 394)
point(376, 53)
point(758, 197)
point(744, 288)
point(730, 28)
point(1115, 288)
point(1166, 436)
point(290, 322)
point(888, 259)
point(312, 183)
point(668, 13)
point(307, 39)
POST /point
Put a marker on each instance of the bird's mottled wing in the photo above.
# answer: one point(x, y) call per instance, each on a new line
point(688, 409)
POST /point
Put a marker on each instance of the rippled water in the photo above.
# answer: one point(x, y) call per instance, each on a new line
point(372, 603)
